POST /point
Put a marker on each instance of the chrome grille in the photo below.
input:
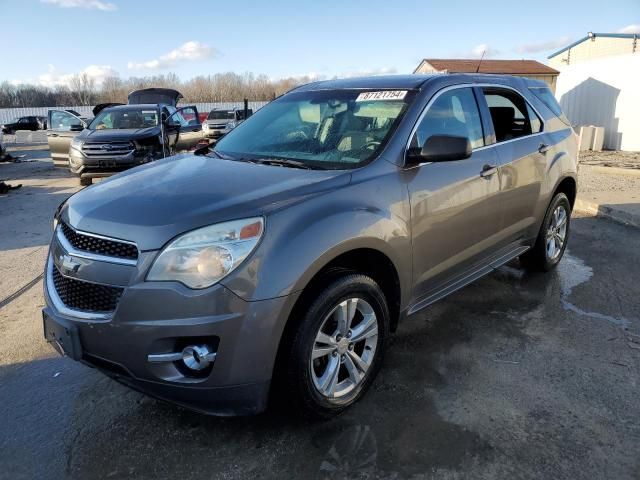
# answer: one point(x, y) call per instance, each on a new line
point(89, 297)
point(107, 149)
point(98, 245)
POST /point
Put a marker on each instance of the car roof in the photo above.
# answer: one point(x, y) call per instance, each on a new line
point(137, 106)
point(404, 82)
point(415, 81)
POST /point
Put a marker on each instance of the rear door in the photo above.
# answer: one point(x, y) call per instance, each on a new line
point(189, 129)
point(521, 149)
point(62, 128)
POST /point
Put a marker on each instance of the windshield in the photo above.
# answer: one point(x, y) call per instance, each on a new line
point(123, 118)
point(220, 115)
point(324, 129)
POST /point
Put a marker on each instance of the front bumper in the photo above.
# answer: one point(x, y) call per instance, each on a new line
point(83, 165)
point(162, 317)
point(217, 133)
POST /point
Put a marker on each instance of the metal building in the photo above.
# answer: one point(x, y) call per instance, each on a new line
point(599, 85)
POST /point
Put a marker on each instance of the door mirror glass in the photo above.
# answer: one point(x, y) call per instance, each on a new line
point(441, 148)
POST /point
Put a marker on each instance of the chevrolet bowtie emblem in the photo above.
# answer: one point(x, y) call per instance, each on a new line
point(69, 264)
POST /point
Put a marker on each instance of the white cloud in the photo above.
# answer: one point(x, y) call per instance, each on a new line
point(190, 51)
point(54, 78)
point(481, 49)
point(88, 4)
point(368, 72)
point(543, 46)
point(634, 28)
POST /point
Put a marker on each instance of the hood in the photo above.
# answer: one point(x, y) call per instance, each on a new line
point(154, 95)
point(121, 135)
point(155, 202)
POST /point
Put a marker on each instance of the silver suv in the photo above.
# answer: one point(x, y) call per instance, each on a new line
point(282, 259)
point(221, 121)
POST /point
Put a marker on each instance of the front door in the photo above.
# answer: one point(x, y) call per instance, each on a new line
point(455, 211)
point(62, 128)
point(186, 122)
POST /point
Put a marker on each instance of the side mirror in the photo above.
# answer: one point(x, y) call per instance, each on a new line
point(77, 128)
point(440, 148)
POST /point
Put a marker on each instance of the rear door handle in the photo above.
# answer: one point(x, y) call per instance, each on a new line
point(488, 170)
point(543, 147)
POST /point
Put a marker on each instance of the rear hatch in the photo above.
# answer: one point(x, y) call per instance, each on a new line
point(167, 96)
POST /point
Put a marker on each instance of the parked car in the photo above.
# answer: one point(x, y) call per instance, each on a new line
point(221, 121)
point(31, 123)
point(282, 259)
point(120, 136)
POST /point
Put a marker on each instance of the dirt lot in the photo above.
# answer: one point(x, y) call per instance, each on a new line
point(516, 376)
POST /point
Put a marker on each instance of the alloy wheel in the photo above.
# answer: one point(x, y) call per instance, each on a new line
point(557, 232)
point(344, 348)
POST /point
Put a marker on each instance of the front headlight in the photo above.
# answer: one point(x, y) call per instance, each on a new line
point(231, 125)
point(205, 126)
point(205, 256)
point(76, 143)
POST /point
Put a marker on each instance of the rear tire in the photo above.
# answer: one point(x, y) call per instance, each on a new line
point(331, 362)
point(86, 181)
point(552, 238)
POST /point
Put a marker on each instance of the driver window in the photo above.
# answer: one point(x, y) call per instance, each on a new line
point(453, 113)
point(63, 120)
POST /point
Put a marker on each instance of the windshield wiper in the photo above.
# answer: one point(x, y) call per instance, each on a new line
point(281, 162)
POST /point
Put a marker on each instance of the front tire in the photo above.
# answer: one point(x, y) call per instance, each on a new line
point(552, 238)
point(338, 348)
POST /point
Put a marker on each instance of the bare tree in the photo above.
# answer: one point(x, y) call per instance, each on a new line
point(82, 89)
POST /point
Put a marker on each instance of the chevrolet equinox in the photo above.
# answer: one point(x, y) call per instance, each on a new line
point(281, 259)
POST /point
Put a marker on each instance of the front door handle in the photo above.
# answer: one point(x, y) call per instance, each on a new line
point(52, 135)
point(543, 147)
point(488, 170)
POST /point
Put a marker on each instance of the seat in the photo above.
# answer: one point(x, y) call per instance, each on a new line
point(503, 122)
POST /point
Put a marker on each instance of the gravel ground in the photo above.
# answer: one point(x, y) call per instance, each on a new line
point(590, 181)
point(611, 159)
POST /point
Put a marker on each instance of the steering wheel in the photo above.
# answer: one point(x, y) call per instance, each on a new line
point(371, 143)
point(297, 135)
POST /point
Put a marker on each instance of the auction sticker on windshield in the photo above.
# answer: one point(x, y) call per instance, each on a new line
point(382, 95)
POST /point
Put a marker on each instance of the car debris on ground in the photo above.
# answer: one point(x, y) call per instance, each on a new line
point(5, 187)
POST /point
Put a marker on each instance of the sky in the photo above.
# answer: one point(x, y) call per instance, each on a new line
point(48, 41)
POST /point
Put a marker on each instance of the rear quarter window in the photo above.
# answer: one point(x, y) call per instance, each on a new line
point(545, 96)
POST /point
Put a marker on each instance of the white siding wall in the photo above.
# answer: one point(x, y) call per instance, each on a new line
point(604, 92)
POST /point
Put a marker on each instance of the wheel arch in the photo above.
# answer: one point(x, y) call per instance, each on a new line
point(569, 187)
point(369, 261)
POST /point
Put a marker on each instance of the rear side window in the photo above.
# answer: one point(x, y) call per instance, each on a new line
point(511, 115)
point(453, 113)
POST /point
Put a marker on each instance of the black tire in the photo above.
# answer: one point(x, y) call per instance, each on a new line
point(537, 258)
point(86, 181)
point(296, 384)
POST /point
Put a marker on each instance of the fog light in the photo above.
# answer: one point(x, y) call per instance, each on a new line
point(197, 357)
point(194, 357)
